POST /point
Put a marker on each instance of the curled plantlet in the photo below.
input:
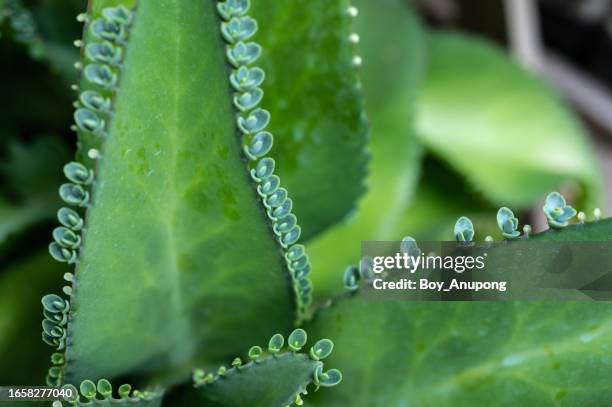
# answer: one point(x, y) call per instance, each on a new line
point(62, 254)
point(282, 210)
point(105, 389)
point(94, 101)
point(78, 173)
point(104, 52)
point(268, 186)
point(557, 212)
point(74, 195)
point(70, 219)
point(410, 247)
point(66, 238)
point(507, 223)
point(239, 29)
point(255, 353)
point(263, 169)
point(351, 278)
point(259, 146)
point(327, 379)
point(244, 79)
point(233, 8)
point(88, 389)
point(276, 199)
point(124, 391)
point(464, 230)
point(101, 75)
point(290, 237)
point(297, 339)
point(276, 343)
point(248, 100)
point(119, 15)
point(108, 30)
point(255, 122)
point(243, 53)
point(322, 349)
point(285, 224)
point(88, 121)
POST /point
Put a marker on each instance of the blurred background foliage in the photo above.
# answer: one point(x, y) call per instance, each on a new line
point(457, 128)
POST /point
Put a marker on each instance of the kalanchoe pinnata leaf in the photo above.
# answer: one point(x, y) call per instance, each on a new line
point(105, 389)
point(101, 75)
point(78, 173)
point(276, 343)
point(351, 278)
point(94, 101)
point(507, 223)
point(249, 99)
point(464, 230)
point(297, 339)
point(243, 53)
point(259, 146)
point(255, 122)
point(88, 121)
point(233, 8)
point(557, 212)
point(322, 349)
point(263, 169)
point(70, 219)
point(239, 29)
point(88, 389)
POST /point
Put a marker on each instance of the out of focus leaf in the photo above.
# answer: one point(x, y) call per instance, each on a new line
point(393, 62)
point(505, 131)
point(23, 356)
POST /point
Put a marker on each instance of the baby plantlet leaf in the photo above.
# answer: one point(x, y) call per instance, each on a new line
point(557, 212)
point(276, 343)
point(297, 339)
point(464, 230)
point(507, 223)
point(322, 349)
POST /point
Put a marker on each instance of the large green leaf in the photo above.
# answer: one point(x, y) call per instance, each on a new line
point(179, 261)
point(505, 131)
point(456, 354)
point(312, 92)
point(23, 356)
point(393, 60)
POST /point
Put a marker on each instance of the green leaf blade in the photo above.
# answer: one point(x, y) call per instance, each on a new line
point(179, 262)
